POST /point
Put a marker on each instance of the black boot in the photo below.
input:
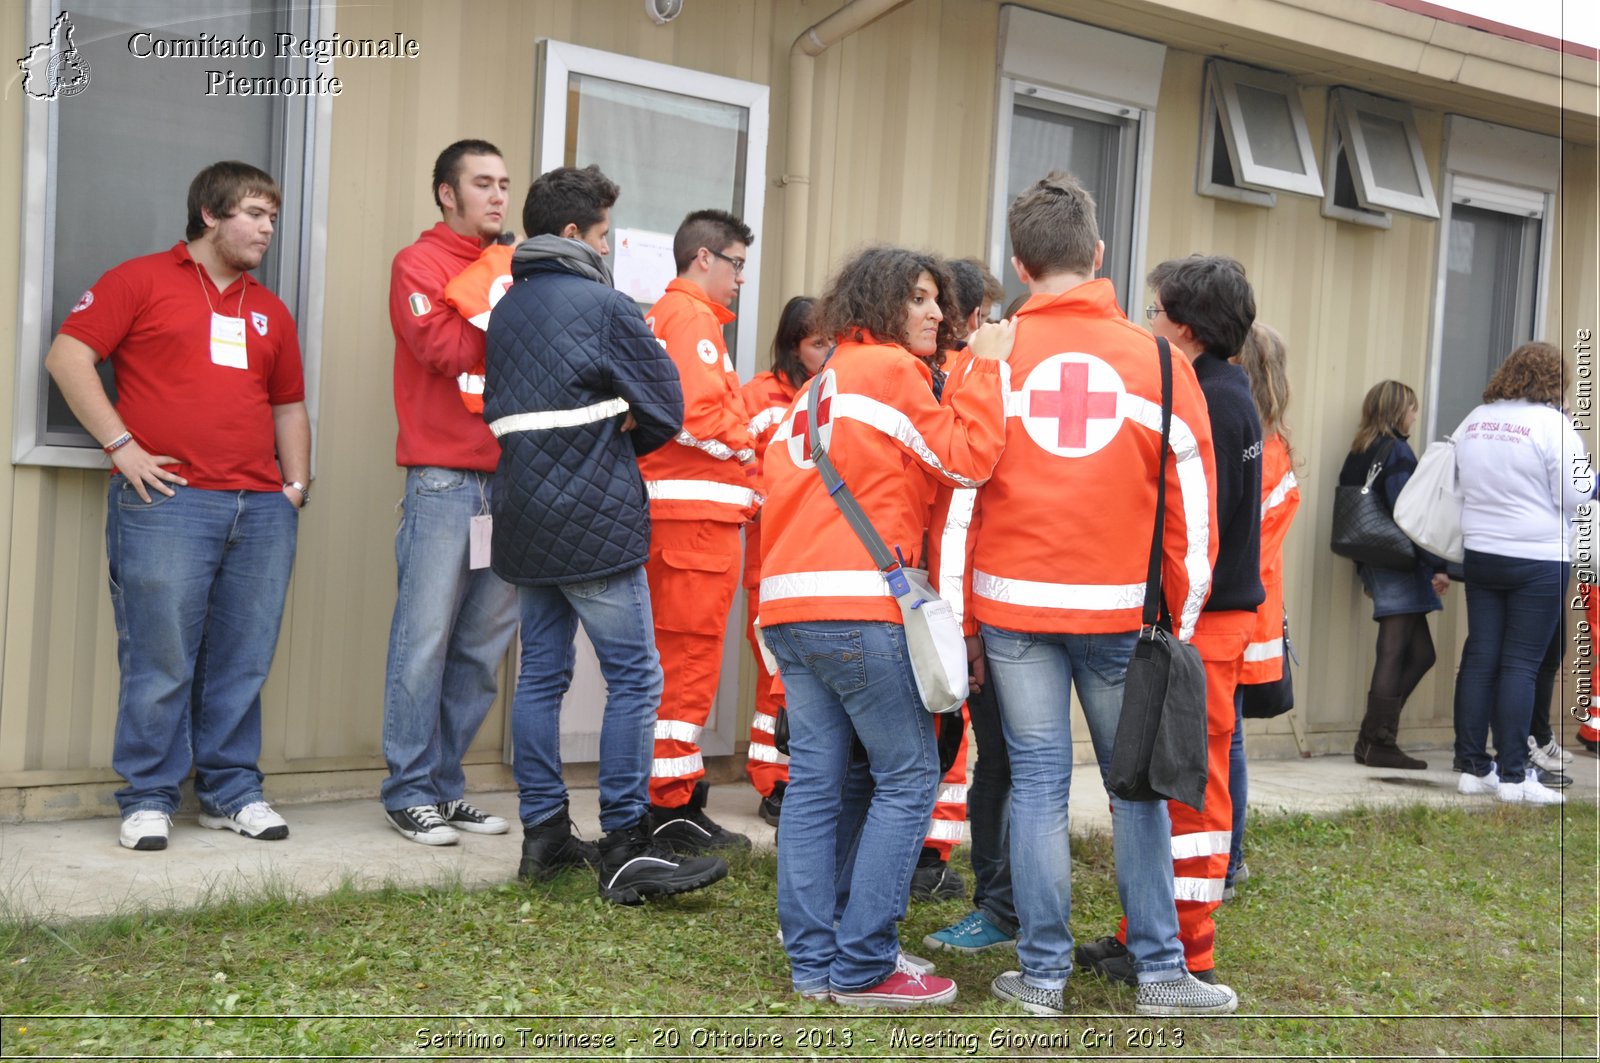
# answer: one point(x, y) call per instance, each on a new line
point(635, 867)
point(550, 848)
point(771, 807)
point(932, 880)
point(687, 829)
point(1375, 747)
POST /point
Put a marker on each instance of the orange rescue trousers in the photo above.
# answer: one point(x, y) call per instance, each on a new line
point(693, 572)
point(1200, 840)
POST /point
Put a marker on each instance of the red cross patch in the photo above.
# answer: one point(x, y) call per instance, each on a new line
point(1070, 404)
point(803, 434)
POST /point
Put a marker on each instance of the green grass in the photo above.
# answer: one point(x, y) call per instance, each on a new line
point(1409, 933)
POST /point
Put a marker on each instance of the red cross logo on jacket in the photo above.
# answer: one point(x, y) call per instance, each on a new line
point(1070, 404)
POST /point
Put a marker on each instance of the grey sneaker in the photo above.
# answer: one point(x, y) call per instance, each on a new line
point(1013, 990)
point(1185, 996)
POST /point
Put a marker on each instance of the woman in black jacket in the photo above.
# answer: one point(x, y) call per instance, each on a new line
point(1401, 600)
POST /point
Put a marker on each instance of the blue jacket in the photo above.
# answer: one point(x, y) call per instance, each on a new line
point(569, 503)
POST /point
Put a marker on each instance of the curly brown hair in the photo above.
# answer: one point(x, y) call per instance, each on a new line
point(1535, 372)
point(871, 290)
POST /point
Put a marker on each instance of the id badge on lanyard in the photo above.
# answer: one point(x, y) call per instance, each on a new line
point(227, 341)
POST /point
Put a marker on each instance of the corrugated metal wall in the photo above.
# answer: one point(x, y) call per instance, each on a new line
point(905, 113)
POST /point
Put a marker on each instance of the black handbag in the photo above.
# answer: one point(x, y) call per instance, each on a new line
point(1160, 748)
point(1363, 528)
point(1263, 701)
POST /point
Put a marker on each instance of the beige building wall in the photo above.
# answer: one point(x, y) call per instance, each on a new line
point(902, 151)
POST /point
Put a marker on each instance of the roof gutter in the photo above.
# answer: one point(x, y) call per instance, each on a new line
point(796, 179)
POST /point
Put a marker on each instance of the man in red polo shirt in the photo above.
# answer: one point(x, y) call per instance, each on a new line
point(212, 453)
point(702, 489)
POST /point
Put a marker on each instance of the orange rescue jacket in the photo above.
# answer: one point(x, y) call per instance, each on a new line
point(766, 398)
point(893, 445)
point(1063, 527)
point(473, 293)
point(1280, 498)
point(701, 475)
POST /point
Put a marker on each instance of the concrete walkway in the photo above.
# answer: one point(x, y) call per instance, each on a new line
point(74, 869)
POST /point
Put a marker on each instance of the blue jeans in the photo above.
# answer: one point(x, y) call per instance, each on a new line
point(1238, 784)
point(844, 679)
point(451, 627)
point(615, 612)
point(989, 813)
point(1034, 675)
point(198, 582)
point(1513, 607)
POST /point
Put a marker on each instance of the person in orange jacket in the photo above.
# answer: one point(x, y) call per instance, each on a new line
point(829, 618)
point(1204, 307)
point(1262, 359)
point(798, 351)
point(702, 490)
point(1058, 574)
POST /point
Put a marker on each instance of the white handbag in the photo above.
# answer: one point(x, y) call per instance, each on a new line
point(1429, 507)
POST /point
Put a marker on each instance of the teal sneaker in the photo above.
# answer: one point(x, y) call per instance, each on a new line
point(973, 934)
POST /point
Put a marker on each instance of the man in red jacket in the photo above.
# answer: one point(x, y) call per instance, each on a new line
point(702, 489)
point(453, 617)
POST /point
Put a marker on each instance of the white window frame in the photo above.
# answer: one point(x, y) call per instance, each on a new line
point(1222, 106)
point(1065, 61)
point(1343, 105)
point(301, 241)
point(559, 60)
point(1333, 148)
point(1141, 120)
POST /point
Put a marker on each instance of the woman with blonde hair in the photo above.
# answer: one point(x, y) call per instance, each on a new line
point(1401, 600)
point(1523, 472)
point(1263, 360)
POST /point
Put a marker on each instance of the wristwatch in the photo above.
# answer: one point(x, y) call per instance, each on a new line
point(305, 492)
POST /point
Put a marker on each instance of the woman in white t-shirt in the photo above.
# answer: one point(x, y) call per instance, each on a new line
point(1524, 473)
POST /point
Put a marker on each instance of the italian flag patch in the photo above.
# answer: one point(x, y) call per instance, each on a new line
point(419, 304)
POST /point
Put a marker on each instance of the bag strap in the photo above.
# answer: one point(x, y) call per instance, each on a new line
point(1378, 460)
point(889, 566)
point(1152, 580)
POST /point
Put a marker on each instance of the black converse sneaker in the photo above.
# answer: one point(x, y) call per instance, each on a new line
point(771, 806)
point(635, 867)
point(422, 823)
point(689, 830)
point(471, 818)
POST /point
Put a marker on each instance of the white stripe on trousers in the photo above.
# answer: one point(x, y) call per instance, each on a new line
point(769, 754)
point(1201, 843)
point(677, 731)
point(1198, 890)
point(675, 767)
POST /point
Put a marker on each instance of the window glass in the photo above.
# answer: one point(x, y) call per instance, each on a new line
point(1491, 273)
point(670, 153)
point(1097, 150)
point(152, 117)
point(1271, 127)
point(1391, 153)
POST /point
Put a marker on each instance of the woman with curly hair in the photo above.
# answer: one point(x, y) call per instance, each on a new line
point(835, 629)
point(1401, 600)
point(1523, 474)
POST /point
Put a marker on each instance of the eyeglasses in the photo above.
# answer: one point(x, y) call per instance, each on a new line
point(1151, 312)
point(736, 263)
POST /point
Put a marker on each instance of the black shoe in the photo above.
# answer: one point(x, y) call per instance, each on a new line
point(1208, 976)
point(933, 880)
point(1553, 779)
point(689, 830)
point(1108, 958)
point(772, 804)
point(634, 867)
point(550, 848)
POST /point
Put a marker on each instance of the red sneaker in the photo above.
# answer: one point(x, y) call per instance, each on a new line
point(899, 990)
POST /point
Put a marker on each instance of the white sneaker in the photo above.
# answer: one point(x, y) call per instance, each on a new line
point(1471, 784)
point(255, 820)
point(1550, 757)
point(1530, 791)
point(915, 966)
point(145, 830)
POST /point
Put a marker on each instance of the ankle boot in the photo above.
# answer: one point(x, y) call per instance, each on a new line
point(635, 866)
point(1376, 747)
point(550, 848)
